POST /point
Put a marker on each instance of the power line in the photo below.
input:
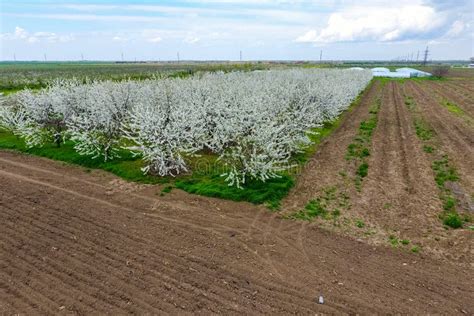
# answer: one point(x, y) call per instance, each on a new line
point(426, 54)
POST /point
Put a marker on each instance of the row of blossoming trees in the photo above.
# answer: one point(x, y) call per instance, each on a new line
point(254, 121)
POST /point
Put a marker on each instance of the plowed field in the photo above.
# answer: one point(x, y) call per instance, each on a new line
point(75, 241)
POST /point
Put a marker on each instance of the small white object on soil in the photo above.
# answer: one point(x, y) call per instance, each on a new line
point(321, 299)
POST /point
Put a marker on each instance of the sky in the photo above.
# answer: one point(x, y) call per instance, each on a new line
point(221, 29)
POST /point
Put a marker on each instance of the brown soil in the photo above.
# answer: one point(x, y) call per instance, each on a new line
point(454, 73)
point(325, 166)
point(453, 92)
point(467, 85)
point(87, 242)
point(399, 197)
point(399, 194)
point(82, 243)
point(456, 136)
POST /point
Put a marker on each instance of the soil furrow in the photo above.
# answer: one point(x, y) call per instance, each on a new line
point(329, 159)
point(141, 241)
point(36, 300)
point(128, 202)
point(117, 263)
point(120, 248)
point(457, 141)
point(79, 297)
point(138, 243)
point(80, 261)
point(447, 93)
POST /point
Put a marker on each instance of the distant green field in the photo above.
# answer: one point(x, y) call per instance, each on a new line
point(15, 76)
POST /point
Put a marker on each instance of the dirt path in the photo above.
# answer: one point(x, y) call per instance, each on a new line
point(80, 242)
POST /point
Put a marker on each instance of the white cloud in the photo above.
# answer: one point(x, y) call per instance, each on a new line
point(89, 17)
point(23, 35)
point(456, 29)
point(191, 39)
point(20, 33)
point(154, 39)
point(32, 39)
point(152, 36)
point(377, 24)
point(292, 15)
point(88, 7)
point(118, 38)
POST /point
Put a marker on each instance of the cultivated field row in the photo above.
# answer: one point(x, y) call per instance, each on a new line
point(379, 221)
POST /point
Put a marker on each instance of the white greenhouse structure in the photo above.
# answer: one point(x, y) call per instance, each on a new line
point(399, 73)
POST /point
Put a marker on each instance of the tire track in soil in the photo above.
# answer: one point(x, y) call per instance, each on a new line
point(222, 303)
point(456, 139)
point(154, 258)
point(157, 203)
point(264, 258)
point(126, 208)
point(338, 302)
point(264, 233)
point(268, 232)
point(279, 298)
point(310, 261)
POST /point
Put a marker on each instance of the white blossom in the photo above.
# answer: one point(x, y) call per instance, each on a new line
point(253, 121)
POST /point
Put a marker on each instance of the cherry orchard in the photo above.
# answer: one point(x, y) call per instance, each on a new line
point(253, 121)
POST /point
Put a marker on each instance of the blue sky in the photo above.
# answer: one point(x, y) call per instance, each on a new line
point(213, 29)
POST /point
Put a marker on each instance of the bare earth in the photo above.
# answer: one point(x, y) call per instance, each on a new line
point(87, 242)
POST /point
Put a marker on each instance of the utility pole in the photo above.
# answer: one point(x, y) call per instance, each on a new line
point(122, 56)
point(14, 56)
point(45, 57)
point(426, 54)
point(82, 56)
point(417, 56)
point(177, 54)
point(321, 56)
point(240, 55)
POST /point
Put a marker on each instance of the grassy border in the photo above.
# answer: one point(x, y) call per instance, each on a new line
point(199, 182)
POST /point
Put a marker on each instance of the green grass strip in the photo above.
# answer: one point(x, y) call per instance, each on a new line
point(205, 178)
